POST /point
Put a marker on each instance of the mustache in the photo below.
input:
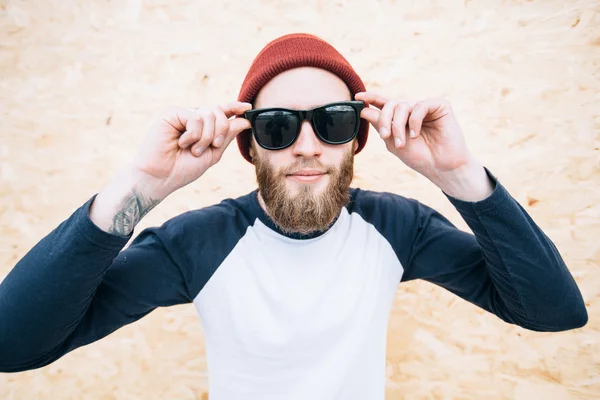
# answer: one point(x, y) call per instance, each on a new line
point(311, 163)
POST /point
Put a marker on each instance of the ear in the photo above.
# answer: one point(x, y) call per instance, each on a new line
point(355, 145)
point(251, 149)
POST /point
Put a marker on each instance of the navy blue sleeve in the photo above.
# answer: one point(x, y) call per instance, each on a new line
point(77, 285)
point(508, 266)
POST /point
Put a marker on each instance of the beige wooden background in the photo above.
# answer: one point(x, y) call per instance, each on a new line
point(81, 81)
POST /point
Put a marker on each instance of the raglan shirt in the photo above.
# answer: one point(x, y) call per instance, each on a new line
point(284, 316)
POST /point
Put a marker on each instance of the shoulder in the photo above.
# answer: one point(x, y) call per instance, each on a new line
point(233, 216)
point(199, 240)
point(395, 217)
point(376, 206)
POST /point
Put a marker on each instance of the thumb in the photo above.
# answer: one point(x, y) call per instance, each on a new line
point(371, 115)
point(236, 126)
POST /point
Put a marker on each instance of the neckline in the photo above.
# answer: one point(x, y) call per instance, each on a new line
point(265, 219)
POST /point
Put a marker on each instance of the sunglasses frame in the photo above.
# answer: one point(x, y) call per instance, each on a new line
point(306, 115)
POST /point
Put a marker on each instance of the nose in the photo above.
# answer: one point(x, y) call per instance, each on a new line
point(307, 144)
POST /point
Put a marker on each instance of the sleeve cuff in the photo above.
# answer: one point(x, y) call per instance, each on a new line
point(93, 233)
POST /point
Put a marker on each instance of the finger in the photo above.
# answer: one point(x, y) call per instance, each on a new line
point(208, 132)
point(177, 117)
point(385, 119)
point(429, 110)
point(400, 119)
point(235, 108)
point(193, 131)
point(415, 122)
point(372, 98)
point(221, 127)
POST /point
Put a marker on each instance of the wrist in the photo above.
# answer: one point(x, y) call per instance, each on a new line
point(469, 182)
point(125, 201)
point(143, 183)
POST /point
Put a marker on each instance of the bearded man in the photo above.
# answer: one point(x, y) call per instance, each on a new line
point(293, 282)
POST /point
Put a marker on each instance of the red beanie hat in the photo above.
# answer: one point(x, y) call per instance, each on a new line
point(292, 51)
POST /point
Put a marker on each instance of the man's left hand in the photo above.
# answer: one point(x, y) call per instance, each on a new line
point(427, 137)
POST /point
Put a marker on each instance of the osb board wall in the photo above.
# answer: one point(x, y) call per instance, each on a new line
point(81, 81)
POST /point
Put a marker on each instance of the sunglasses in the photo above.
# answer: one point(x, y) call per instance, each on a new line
point(278, 128)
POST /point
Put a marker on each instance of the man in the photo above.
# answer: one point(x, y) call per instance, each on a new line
point(293, 282)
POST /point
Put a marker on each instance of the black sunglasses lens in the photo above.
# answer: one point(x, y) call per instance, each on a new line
point(336, 124)
point(275, 129)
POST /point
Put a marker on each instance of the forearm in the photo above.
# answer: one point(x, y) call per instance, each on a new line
point(49, 290)
point(524, 265)
point(125, 201)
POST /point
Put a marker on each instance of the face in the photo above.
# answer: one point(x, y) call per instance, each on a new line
point(303, 187)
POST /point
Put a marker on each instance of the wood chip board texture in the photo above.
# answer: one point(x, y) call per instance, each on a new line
point(81, 81)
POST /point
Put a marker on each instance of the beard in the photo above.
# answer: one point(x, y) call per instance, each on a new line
point(305, 212)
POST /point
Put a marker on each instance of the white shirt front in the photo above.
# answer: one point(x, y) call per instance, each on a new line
point(300, 319)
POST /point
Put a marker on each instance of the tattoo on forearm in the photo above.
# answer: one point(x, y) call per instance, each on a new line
point(132, 211)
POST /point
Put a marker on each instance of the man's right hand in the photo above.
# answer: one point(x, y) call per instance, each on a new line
point(182, 144)
point(177, 150)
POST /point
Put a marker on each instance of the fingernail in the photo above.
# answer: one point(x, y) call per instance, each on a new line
point(383, 132)
point(199, 150)
point(218, 141)
point(412, 133)
point(397, 142)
